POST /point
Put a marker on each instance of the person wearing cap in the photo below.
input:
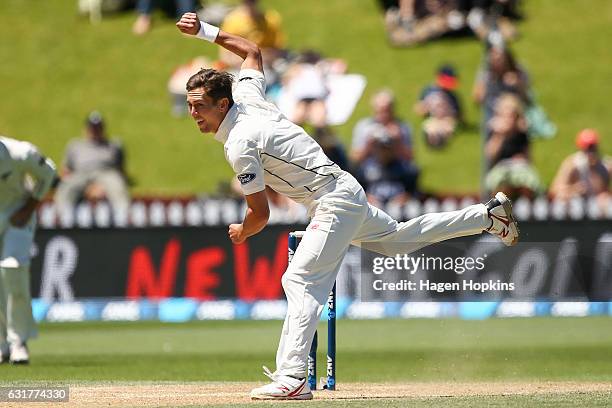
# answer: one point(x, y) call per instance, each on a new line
point(584, 173)
point(93, 168)
point(441, 108)
point(20, 163)
point(447, 82)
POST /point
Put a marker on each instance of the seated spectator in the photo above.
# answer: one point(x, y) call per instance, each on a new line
point(585, 173)
point(142, 25)
point(261, 27)
point(410, 22)
point(417, 21)
point(440, 106)
point(384, 121)
point(384, 177)
point(440, 126)
point(446, 82)
point(96, 8)
point(499, 74)
point(93, 169)
point(502, 74)
point(484, 16)
point(305, 81)
point(507, 151)
point(314, 90)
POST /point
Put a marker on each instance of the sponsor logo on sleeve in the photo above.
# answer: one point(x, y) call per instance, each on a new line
point(245, 178)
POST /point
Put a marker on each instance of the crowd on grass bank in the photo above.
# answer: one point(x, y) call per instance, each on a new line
point(381, 153)
point(412, 22)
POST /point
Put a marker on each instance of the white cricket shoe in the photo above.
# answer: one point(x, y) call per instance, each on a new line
point(19, 354)
point(282, 387)
point(503, 223)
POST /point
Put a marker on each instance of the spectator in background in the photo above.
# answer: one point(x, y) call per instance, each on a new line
point(440, 126)
point(261, 27)
point(441, 108)
point(417, 21)
point(384, 121)
point(483, 16)
point(384, 177)
point(142, 25)
point(507, 150)
point(585, 173)
point(305, 81)
point(410, 22)
point(499, 74)
point(446, 82)
point(96, 8)
point(93, 169)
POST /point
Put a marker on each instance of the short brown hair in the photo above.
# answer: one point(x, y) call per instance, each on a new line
point(216, 84)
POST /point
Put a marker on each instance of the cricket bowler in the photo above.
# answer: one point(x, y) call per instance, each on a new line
point(265, 148)
point(25, 178)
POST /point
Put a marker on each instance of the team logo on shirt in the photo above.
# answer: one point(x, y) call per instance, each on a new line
point(245, 178)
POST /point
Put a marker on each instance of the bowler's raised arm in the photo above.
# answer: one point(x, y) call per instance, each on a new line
point(245, 49)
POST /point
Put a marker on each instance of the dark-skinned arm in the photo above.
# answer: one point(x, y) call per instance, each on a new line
point(256, 218)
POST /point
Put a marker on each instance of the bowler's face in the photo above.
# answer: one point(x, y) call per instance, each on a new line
point(207, 114)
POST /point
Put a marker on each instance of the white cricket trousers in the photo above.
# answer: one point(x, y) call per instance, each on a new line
point(16, 321)
point(341, 217)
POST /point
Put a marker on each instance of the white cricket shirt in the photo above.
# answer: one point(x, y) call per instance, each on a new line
point(23, 173)
point(265, 148)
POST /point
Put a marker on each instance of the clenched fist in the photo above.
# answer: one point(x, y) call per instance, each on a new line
point(235, 233)
point(189, 24)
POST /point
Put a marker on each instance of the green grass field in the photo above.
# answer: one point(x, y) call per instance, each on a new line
point(56, 67)
point(389, 351)
point(392, 350)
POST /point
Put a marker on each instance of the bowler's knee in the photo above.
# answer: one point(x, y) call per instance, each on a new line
point(291, 278)
point(286, 280)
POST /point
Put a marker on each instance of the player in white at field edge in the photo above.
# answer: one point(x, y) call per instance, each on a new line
point(265, 148)
point(25, 178)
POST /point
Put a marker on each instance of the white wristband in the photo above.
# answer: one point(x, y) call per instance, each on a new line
point(207, 32)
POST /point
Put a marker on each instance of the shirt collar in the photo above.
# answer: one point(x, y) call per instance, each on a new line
point(228, 122)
